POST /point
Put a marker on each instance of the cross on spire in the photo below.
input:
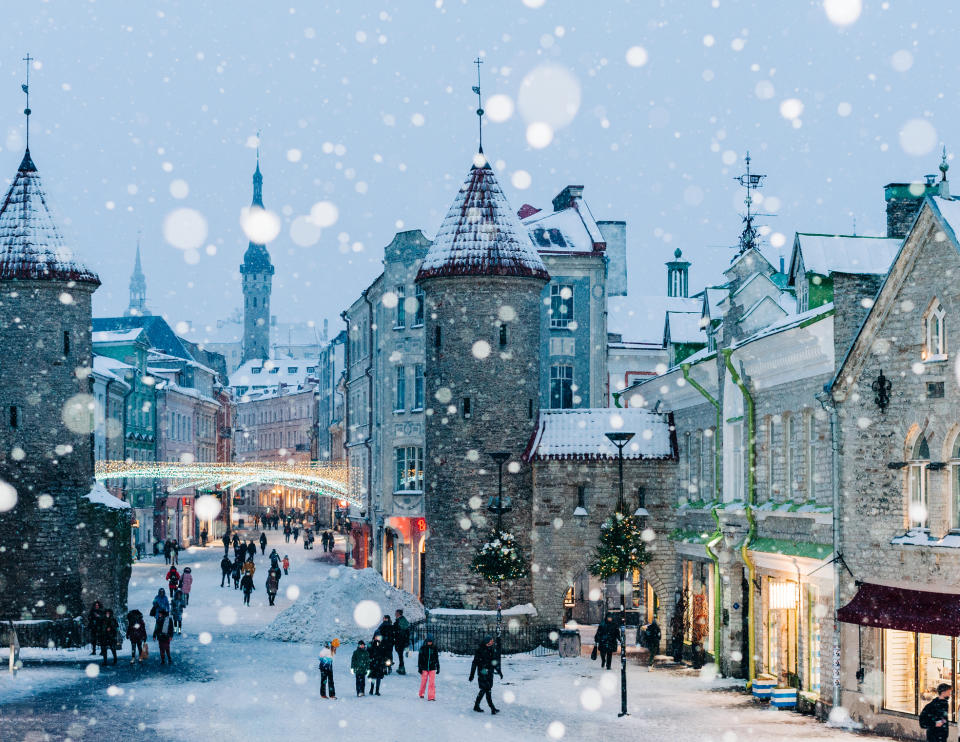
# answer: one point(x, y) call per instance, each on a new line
point(26, 89)
point(476, 89)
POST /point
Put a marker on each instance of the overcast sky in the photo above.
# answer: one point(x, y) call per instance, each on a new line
point(368, 106)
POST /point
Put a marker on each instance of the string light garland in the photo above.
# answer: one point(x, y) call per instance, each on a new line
point(329, 480)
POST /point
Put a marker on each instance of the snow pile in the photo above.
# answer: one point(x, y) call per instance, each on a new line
point(98, 495)
point(334, 609)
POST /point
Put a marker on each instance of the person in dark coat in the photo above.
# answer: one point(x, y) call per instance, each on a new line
point(160, 603)
point(177, 603)
point(163, 633)
point(235, 570)
point(226, 543)
point(360, 666)
point(251, 550)
point(263, 543)
point(485, 664)
point(401, 639)
point(273, 585)
point(385, 632)
point(109, 630)
point(606, 641)
point(935, 715)
point(651, 640)
point(93, 624)
point(286, 532)
point(226, 567)
point(246, 585)
point(203, 536)
point(167, 549)
point(428, 665)
point(378, 664)
point(136, 633)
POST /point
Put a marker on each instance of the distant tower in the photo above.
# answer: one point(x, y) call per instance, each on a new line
point(482, 279)
point(677, 275)
point(45, 440)
point(138, 289)
point(257, 272)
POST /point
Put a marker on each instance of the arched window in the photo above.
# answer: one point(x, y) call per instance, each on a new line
point(955, 484)
point(934, 332)
point(917, 481)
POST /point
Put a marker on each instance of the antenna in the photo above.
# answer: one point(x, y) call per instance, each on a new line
point(750, 181)
point(26, 89)
point(476, 89)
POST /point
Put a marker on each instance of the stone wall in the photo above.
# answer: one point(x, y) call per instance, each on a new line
point(104, 556)
point(500, 383)
point(852, 298)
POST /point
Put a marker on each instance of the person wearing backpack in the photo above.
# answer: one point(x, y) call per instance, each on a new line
point(428, 665)
point(401, 639)
point(163, 633)
point(136, 633)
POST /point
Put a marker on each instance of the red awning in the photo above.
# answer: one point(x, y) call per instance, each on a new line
point(907, 610)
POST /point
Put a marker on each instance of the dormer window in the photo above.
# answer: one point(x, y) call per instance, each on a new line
point(934, 332)
point(256, 370)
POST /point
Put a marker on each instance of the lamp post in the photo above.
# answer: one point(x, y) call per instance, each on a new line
point(500, 457)
point(620, 440)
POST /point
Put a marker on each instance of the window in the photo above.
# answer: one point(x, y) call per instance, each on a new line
point(503, 335)
point(701, 495)
point(935, 333)
point(561, 387)
point(789, 455)
point(687, 465)
point(581, 496)
point(736, 461)
point(811, 456)
point(530, 409)
point(66, 342)
point(418, 316)
point(955, 484)
point(561, 305)
point(409, 462)
point(418, 387)
point(917, 482)
point(467, 414)
point(14, 417)
point(401, 320)
point(275, 370)
point(913, 666)
point(401, 399)
point(436, 337)
point(771, 442)
point(291, 369)
point(256, 370)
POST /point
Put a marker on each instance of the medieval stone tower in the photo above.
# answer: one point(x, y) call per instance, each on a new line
point(257, 272)
point(482, 280)
point(46, 409)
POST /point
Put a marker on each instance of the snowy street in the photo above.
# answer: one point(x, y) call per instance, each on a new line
point(227, 684)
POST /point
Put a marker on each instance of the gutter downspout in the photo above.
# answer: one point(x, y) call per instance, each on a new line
point(828, 402)
point(717, 534)
point(752, 529)
point(372, 545)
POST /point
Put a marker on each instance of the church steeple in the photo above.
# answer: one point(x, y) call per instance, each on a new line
point(138, 289)
point(257, 275)
point(257, 183)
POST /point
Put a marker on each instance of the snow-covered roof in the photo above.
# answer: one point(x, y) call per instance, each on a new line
point(274, 372)
point(832, 253)
point(99, 495)
point(787, 323)
point(581, 434)
point(116, 336)
point(111, 369)
point(31, 246)
point(950, 211)
point(481, 236)
point(685, 327)
point(571, 229)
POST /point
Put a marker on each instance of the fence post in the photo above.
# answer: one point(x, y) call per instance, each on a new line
point(14, 651)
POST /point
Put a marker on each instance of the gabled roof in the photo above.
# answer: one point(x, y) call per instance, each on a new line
point(570, 227)
point(683, 327)
point(159, 333)
point(581, 434)
point(117, 336)
point(832, 253)
point(31, 246)
point(273, 372)
point(481, 236)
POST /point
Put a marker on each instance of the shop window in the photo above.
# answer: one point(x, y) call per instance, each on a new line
point(935, 333)
point(913, 666)
point(917, 483)
point(783, 639)
point(813, 642)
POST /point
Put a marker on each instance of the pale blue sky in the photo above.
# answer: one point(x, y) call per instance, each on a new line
point(125, 87)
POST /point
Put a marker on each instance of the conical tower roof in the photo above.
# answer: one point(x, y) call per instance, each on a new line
point(481, 235)
point(257, 259)
point(31, 246)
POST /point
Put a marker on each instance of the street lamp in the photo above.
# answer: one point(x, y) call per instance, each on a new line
point(500, 457)
point(620, 440)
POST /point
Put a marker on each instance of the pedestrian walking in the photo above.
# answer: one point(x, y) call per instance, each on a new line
point(109, 630)
point(286, 532)
point(360, 666)
point(226, 543)
point(173, 578)
point(605, 642)
point(226, 567)
point(326, 672)
point(160, 602)
point(94, 617)
point(175, 552)
point(386, 632)
point(651, 640)
point(163, 633)
point(934, 717)
point(378, 664)
point(286, 564)
point(167, 550)
point(137, 634)
point(296, 532)
point(428, 665)
point(263, 543)
point(203, 537)
point(177, 603)
point(249, 567)
point(401, 639)
point(246, 585)
point(251, 550)
point(235, 572)
point(186, 583)
point(485, 664)
point(273, 585)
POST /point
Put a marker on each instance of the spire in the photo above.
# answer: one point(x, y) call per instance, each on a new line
point(481, 235)
point(476, 89)
point(138, 288)
point(257, 259)
point(258, 179)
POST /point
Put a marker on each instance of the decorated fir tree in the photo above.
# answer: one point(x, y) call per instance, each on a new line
point(621, 549)
point(499, 558)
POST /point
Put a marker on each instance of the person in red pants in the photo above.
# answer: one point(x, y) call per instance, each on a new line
point(428, 664)
point(163, 633)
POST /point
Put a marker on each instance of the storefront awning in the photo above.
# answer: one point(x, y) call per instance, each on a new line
point(907, 610)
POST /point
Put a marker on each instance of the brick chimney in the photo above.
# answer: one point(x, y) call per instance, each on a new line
point(567, 196)
point(904, 201)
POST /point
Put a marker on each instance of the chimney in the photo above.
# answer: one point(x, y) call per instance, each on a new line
point(903, 203)
point(567, 196)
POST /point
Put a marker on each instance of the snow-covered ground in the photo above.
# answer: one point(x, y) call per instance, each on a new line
point(227, 684)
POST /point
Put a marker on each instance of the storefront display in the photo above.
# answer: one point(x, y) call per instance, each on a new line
point(914, 664)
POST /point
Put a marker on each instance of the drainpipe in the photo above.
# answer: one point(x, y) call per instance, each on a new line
point(827, 402)
point(752, 524)
point(717, 533)
point(373, 545)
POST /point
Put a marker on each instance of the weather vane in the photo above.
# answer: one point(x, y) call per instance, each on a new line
point(476, 89)
point(750, 181)
point(26, 89)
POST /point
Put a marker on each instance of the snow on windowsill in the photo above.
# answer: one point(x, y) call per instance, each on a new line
point(921, 537)
point(580, 511)
point(526, 609)
point(98, 495)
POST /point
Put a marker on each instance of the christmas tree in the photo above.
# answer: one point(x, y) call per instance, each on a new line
point(621, 548)
point(499, 558)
